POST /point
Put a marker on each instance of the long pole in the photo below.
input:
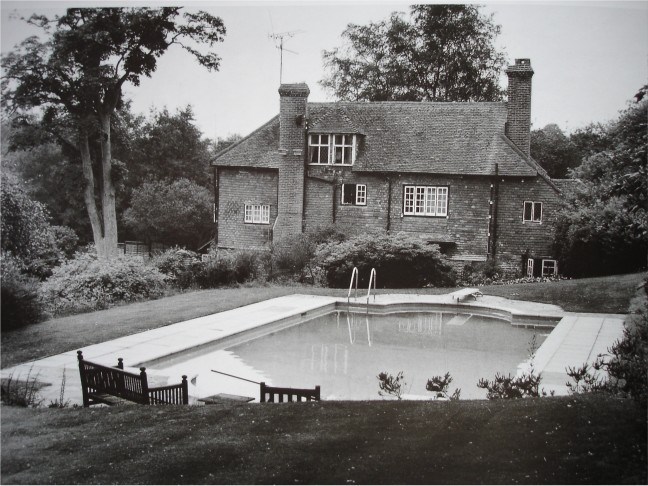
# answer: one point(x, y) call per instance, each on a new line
point(237, 377)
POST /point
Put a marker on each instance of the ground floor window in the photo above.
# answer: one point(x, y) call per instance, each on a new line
point(354, 194)
point(541, 267)
point(425, 201)
point(257, 213)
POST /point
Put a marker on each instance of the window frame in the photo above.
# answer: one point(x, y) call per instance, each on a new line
point(256, 214)
point(426, 201)
point(533, 205)
point(555, 267)
point(331, 146)
point(359, 196)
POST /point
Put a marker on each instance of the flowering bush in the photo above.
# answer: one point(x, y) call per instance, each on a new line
point(87, 283)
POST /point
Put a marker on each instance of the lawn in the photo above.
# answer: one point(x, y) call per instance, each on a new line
point(584, 439)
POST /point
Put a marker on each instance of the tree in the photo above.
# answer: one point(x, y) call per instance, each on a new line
point(169, 146)
point(442, 53)
point(175, 213)
point(555, 152)
point(603, 228)
point(78, 75)
point(26, 232)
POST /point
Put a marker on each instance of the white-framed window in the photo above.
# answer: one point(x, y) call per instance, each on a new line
point(257, 213)
point(532, 212)
point(549, 267)
point(530, 267)
point(336, 149)
point(425, 201)
point(355, 194)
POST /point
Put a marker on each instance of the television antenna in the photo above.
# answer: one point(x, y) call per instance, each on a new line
point(279, 44)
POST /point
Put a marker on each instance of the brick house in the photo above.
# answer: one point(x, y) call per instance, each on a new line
point(457, 174)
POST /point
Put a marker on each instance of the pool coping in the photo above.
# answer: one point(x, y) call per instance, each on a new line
point(147, 346)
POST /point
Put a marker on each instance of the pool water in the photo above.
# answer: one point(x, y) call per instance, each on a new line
point(344, 352)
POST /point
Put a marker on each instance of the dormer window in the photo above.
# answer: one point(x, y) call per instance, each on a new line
point(331, 149)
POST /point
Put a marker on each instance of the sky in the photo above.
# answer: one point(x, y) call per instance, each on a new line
point(589, 58)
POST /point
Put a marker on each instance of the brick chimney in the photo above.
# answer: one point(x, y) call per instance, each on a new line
point(292, 132)
point(518, 123)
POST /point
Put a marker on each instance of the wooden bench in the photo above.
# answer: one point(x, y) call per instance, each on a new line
point(459, 295)
point(114, 386)
point(276, 394)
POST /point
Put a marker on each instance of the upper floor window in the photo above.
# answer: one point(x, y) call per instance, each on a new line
point(425, 201)
point(257, 213)
point(532, 212)
point(355, 194)
point(331, 149)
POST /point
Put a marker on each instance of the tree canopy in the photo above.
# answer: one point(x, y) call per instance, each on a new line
point(554, 151)
point(604, 227)
point(441, 53)
point(77, 76)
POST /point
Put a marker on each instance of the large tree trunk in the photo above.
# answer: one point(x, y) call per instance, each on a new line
point(89, 193)
point(108, 189)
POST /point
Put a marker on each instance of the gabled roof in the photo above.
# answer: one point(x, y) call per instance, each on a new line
point(413, 137)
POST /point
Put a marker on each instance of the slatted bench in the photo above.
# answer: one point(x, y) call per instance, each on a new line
point(277, 394)
point(115, 386)
point(460, 295)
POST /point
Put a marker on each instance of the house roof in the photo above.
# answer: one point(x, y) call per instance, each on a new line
point(413, 137)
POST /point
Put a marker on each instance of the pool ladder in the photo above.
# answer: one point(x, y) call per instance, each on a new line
point(354, 277)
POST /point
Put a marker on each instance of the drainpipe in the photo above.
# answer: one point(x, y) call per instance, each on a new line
point(216, 183)
point(494, 212)
point(389, 191)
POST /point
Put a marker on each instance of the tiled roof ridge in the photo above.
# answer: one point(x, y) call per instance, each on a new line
point(531, 163)
point(250, 135)
point(401, 103)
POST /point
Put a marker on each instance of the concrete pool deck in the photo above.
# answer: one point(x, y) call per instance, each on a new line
point(577, 338)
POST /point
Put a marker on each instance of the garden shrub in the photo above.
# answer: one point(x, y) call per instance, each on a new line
point(20, 304)
point(481, 273)
point(293, 256)
point(87, 283)
point(180, 265)
point(400, 260)
point(229, 267)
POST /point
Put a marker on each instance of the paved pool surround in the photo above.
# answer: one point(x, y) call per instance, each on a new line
point(576, 338)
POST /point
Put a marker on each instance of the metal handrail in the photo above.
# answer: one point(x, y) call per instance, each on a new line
point(372, 278)
point(353, 274)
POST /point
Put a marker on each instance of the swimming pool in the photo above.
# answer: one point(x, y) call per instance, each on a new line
point(343, 352)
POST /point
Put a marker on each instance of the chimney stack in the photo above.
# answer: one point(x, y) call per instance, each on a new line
point(293, 112)
point(518, 123)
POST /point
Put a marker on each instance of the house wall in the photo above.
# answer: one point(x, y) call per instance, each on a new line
point(238, 187)
point(516, 239)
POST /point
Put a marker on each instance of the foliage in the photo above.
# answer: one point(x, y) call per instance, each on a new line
point(555, 152)
point(87, 283)
point(27, 234)
point(626, 362)
point(401, 260)
point(175, 212)
point(180, 265)
point(391, 385)
point(21, 393)
point(20, 305)
point(439, 386)
point(169, 146)
point(522, 386)
point(60, 402)
point(228, 267)
point(294, 255)
point(442, 53)
point(77, 74)
point(603, 228)
point(481, 273)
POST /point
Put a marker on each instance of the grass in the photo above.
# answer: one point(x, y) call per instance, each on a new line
point(581, 440)
point(584, 439)
point(604, 294)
